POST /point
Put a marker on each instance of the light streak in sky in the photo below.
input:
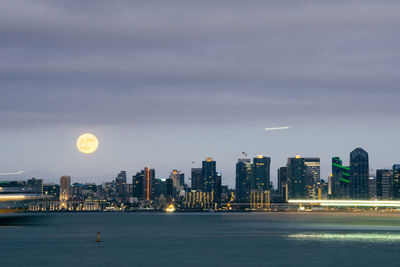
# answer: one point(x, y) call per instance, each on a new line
point(277, 128)
point(12, 173)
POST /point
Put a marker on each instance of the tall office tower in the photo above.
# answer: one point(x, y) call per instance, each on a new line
point(312, 176)
point(243, 178)
point(35, 185)
point(261, 173)
point(340, 179)
point(297, 178)
point(372, 187)
point(209, 179)
point(218, 188)
point(178, 180)
point(196, 179)
point(65, 188)
point(359, 174)
point(282, 183)
point(396, 181)
point(383, 184)
point(120, 182)
point(149, 176)
point(137, 185)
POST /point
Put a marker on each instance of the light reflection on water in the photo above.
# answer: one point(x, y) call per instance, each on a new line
point(375, 237)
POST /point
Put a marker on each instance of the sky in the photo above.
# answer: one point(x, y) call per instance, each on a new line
point(167, 83)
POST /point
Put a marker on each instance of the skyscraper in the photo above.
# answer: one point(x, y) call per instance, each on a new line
point(65, 187)
point(137, 185)
point(243, 178)
point(149, 176)
point(396, 181)
point(359, 174)
point(312, 176)
point(120, 182)
point(340, 179)
point(209, 180)
point(178, 180)
point(383, 184)
point(282, 183)
point(297, 178)
point(196, 179)
point(261, 173)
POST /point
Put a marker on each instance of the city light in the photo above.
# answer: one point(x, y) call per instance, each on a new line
point(348, 237)
point(344, 203)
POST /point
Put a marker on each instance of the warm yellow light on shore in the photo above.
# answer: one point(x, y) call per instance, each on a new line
point(87, 143)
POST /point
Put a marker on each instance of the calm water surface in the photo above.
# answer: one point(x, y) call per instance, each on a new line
point(202, 239)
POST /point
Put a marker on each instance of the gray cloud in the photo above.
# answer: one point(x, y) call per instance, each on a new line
point(158, 62)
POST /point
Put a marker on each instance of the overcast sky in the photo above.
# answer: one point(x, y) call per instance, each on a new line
point(167, 83)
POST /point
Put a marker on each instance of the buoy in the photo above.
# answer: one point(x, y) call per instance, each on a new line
point(98, 239)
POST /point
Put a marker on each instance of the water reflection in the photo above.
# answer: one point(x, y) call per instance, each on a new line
point(376, 237)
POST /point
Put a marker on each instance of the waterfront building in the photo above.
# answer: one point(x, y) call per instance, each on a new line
point(261, 173)
point(137, 185)
point(52, 190)
point(359, 174)
point(260, 199)
point(296, 177)
point(35, 185)
point(282, 181)
point(65, 189)
point(210, 180)
point(396, 181)
point(120, 182)
point(197, 200)
point(340, 186)
point(312, 166)
point(178, 179)
point(243, 178)
point(383, 184)
point(372, 187)
point(196, 179)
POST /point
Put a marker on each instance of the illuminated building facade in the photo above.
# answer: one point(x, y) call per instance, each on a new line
point(243, 178)
point(198, 200)
point(178, 181)
point(211, 180)
point(340, 188)
point(383, 184)
point(149, 176)
point(260, 199)
point(65, 188)
point(261, 173)
point(396, 181)
point(313, 179)
point(359, 174)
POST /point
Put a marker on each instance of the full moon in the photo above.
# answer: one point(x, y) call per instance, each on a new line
point(87, 143)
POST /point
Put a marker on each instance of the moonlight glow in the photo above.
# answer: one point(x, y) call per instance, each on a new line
point(87, 143)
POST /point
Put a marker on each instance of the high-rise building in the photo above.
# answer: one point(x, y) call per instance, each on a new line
point(120, 182)
point(261, 173)
point(243, 178)
point(196, 179)
point(396, 181)
point(297, 178)
point(137, 185)
point(65, 188)
point(340, 179)
point(312, 176)
point(210, 180)
point(149, 176)
point(177, 178)
point(383, 184)
point(359, 174)
point(282, 184)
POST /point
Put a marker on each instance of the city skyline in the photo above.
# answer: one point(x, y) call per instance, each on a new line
point(164, 93)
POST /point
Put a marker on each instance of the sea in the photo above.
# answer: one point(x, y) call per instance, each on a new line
point(200, 239)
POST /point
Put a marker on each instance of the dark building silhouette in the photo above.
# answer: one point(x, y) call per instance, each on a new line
point(137, 185)
point(243, 178)
point(196, 179)
point(383, 184)
point(120, 182)
point(340, 179)
point(396, 181)
point(261, 173)
point(359, 174)
point(297, 178)
point(282, 183)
